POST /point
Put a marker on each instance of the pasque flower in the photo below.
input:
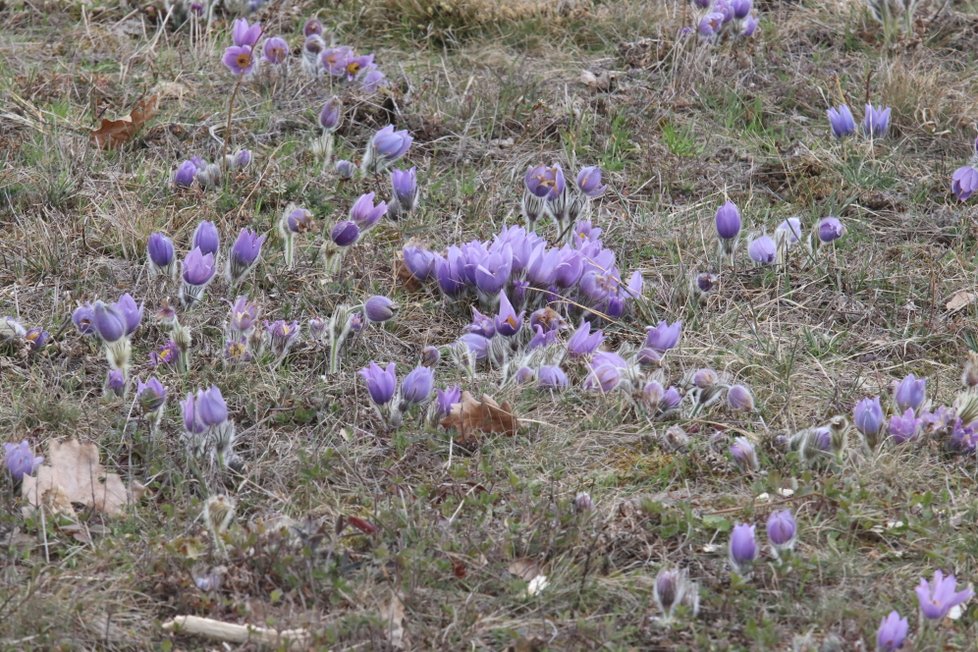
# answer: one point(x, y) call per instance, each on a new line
point(606, 368)
point(198, 268)
point(743, 548)
point(331, 114)
point(551, 377)
point(365, 213)
point(381, 382)
point(21, 460)
point(728, 221)
point(545, 182)
point(417, 385)
point(386, 147)
point(740, 398)
point(379, 309)
point(109, 323)
point(244, 313)
point(244, 33)
point(892, 633)
point(743, 454)
point(185, 174)
point(964, 182)
point(841, 121)
point(405, 187)
point(867, 416)
point(244, 254)
point(876, 122)
point(151, 395)
point(583, 342)
point(282, 335)
point(763, 250)
point(312, 26)
point(206, 238)
point(37, 338)
point(781, 529)
point(910, 392)
point(507, 321)
point(131, 313)
point(345, 170)
point(589, 181)
point(663, 336)
point(239, 59)
point(115, 382)
point(903, 428)
point(420, 262)
point(446, 398)
point(939, 596)
point(275, 50)
point(830, 229)
point(211, 408)
point(345, 233)
point(83, 317)
point(159, 249)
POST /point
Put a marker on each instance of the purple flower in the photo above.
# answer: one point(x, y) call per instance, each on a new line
point(211, 408)
point(877, 121)
point(206, 238)
point(109, 323)
point(345, 233)
point(551, 377)
point(388, 146)
point(910, 392)
point(589, 181)
point(710, 24)
point(964, 182)
point(239, 60)
point(743, 547)
point(545, 182)
point(938, 596)
point(115, 382)
point(583, 342)
point(192, 422)
point(507, 322)
point(430, 356)
point(244, 34)
point(243, 315)
point(525, 376)
point(159, 248)
point(245, 252)
point(541, 338)
point(448, 272)
point(830, 229)
point(478, 345)
point(493, 271)
point(763, 250)
point(605, 371)
point(741, 8)
point(788, 231)
point(903, 428)
point(275, 50)
point(892, 633)
point(418, 385)
point(331, 115)
point(663, 336)
point(964, 437)
point(37, 338)
point(705, 378)
point(750, 26)
point(131, 313)
point(670, 399)
point(378, 309)
point(198, 269)
point(167, 354)
point(83, 317)
point(365, 213)
point(481, 324)
point(728, 221)
point(334, 60)
point(282, 335)
point(420, 262)
point(381, 383)
point(312, 26)
point(355, 64)
point(706, 282)
point(744, 455)
point(372, 79)
point(867, 416)
point(740, 398)
point(841, 121)
point(345, 170)
point(405, 185)
point(781, 529)
point(151, 394)
point(240, 159)
point(446, 398)
point(185, 174)
point(20, 460)
point(299, 220)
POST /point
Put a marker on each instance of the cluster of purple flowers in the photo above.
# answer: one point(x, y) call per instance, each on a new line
point(964, 181)
point(13, 332)
point(208, 433)
point(876, 122)
point(546, 192)
point(936, 598)
point(394, 400)
point(364, 215)
point(241, 56)
point(726, 18)
point(743, 550)
point(20, 460)
point(240, 332)
point(113, 324)
point(339, 63)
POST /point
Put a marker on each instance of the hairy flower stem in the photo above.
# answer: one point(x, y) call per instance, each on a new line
point(227, 128)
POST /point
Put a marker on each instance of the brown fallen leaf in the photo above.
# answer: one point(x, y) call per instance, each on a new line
point(961, 299)
point(72, 474)
point(393, 616)
point(115, 133)
point(472, 416)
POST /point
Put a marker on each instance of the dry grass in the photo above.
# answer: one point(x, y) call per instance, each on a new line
point(488, 88)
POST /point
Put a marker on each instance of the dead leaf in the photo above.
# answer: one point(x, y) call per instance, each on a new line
point(393, 615)
point(525, 569)
point(404, 275)
point(960, 299)
point(115, 133)
point(471, 416)
point(72, 474)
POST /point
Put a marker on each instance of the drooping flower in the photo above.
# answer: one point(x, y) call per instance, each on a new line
point(830, 229)
point(589, 181)
point(245, 34)
point(240, 60)
point(841, 121)
point(345, 233)
point(910, 392)
point(365, 213)
point(206, 238)
point(378, 309)
point(728, 221)
point(417, 385)
point(876, 121)
point(381, 382)
point(781, 529)
point(551, 377)
point(867, 416)
point(275, 50)
point(939, 596)
point(743, 548)
point(545, 182)
point(21, 460)
point(386, 147)
point(663, 336)
point(83, 317)
point(763, 250)
point(892, 633)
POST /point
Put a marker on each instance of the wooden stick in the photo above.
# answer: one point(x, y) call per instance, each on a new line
point(222, 631)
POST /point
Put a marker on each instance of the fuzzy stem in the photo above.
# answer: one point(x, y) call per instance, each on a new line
point(227, 128)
